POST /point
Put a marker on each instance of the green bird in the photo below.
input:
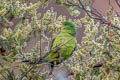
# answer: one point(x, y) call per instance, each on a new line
point(62, 46)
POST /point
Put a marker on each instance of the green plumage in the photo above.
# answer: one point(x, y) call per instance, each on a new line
point(63, 45)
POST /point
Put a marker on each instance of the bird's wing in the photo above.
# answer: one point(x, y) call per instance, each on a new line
point(63, 44)
point(68, 48)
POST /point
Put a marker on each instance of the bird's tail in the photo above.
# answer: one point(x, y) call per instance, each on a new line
point(37, 62)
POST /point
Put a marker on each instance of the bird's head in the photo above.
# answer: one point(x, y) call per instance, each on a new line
point(68, 27)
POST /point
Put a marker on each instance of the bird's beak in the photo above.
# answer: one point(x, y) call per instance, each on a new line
point(61, 27)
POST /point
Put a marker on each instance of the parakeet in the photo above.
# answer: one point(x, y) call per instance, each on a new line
point(62, 46)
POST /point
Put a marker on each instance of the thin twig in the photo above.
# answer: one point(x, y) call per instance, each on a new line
point(90, 13)
point(40, 39)
point(24, 74)
point(9, 73)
